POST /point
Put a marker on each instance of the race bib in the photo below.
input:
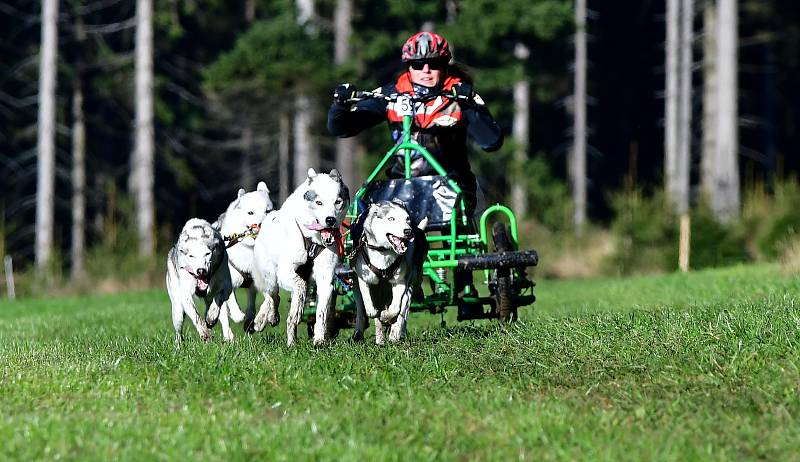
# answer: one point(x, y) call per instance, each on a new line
point(403, 106)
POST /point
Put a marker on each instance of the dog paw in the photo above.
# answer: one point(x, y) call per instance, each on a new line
point(205, 335)
point(212, 316)
point(388, 317)
point(259, 323)
point(274, 320)
point(228, 338)
point(372, 313)
point(320, 341)
point(358, 336)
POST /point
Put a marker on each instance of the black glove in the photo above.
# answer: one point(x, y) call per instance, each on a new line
point(342, 93)
point(463, 92)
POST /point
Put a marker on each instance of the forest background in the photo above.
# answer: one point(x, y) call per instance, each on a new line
point(240, 91)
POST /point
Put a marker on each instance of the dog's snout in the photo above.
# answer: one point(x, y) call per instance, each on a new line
point(407, 233)
point(330, 222)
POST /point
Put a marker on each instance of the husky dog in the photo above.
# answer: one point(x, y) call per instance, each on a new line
point(388, 265)
point(197, 265)
point(299, 242)
point(239, 227)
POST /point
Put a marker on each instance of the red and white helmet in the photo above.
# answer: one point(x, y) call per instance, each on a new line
point(426, 45)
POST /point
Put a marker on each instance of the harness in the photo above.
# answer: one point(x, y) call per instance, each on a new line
point(235, 238)
point(385, 273)
point(358, 229)
point(312, 252)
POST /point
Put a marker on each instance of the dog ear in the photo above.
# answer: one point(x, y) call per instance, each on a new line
point(335, 175)
point(311, 174)
point(240, 193)
point(423, 224)
point(262, 187)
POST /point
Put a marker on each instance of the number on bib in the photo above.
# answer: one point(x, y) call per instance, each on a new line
point(403, 106)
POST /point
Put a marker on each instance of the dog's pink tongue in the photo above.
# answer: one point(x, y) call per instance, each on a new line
point(316, 226)
point(202, 284)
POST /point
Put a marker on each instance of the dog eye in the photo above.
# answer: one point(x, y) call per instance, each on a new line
point(319, 202)
point(338, 201)
point(207, 254)
point(391, 218)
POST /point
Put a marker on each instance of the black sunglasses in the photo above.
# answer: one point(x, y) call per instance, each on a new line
point(432, 65)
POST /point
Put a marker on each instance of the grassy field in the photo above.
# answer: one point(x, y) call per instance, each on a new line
point(701, 366)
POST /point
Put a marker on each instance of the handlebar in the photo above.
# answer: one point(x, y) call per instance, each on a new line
point(393, 97)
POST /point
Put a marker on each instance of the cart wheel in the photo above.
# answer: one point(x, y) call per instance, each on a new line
point(506, 310)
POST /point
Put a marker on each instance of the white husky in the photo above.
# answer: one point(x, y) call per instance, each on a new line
point(388, 265)
point(239, 226)
point(197, 265)
point(298, 242)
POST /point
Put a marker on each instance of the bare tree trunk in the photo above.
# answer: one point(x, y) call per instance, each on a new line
point(77, 250)
point(284, 177)
point(46, 149)
point(305, 147)
point(681, 192)
point(249, 10)
point(306, 153)
point(347, 160)
point(709, 149)
point(577, 164)
point(672, 135)
point(306, 14)
point(451, 11)
point(246, 173)
point(519, 187)
point(144, 150)
point(725, 199)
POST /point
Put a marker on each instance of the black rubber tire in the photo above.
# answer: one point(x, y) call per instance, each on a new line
point(506, 310)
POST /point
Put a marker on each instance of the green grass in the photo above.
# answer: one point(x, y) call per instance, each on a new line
point(701, 366)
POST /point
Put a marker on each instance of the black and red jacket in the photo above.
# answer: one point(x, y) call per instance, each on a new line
point(441, 126)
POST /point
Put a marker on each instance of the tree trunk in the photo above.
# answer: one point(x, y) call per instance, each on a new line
point(707, 162)
point(249, 11)
point(682, 184)
point(577, 164)
point(46, 149)
point(284, 176)
point(519, 186)
point(347, 160)
point(672, 135)
point(725, 196)
point(144, 150)
point(247, 145)
point(305, 147)
point(306, 153)
point(306, 14)
point(77, 250)
point(246, 173)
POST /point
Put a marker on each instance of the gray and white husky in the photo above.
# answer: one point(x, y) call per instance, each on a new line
point(298, 242)
point(197, 266)
point(390, 252)
point(239, 226)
